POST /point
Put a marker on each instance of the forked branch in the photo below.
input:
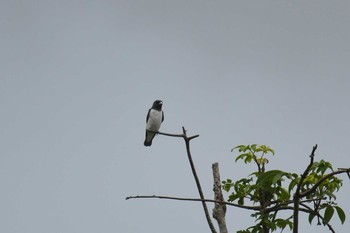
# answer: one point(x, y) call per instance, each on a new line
point(194, 172)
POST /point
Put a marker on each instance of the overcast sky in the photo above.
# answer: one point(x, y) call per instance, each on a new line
point(78, 77)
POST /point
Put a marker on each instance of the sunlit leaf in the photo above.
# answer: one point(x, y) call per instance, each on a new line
point(240, 148)
point(265, 149)
point(246, 156)
point(253, 147)
point(248, 159)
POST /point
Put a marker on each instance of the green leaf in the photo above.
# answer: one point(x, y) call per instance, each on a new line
point(281, 223)
point(328, 214)
point(262, 160)
point(265, 149)
point(311, 217)
point(341, 214)
point(284, 194)
point(248, 159)
point(253, 147)
point(271, 177)
point(247, 156)
point(292, 184)
point(240, 148)
point(227, 187)
point(278, 177)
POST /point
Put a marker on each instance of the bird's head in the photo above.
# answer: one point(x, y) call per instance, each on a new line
point(157, 105)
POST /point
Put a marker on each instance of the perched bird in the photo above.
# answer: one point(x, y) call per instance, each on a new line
point(155, 117)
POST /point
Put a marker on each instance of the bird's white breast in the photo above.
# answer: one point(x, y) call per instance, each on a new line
point(154, 120)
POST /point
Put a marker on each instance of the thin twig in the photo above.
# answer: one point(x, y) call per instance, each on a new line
point(320, 216)
point(282, 206)
point(308, 210)
point(345, 169)
point(177, 135)
point(171, 135)
point(194, 199)
point(279, 206)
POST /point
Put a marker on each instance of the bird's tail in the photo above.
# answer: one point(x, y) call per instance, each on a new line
point(147, 143)
point(149, 138)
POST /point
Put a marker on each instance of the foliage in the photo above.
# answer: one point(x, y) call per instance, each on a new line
point(272, 191)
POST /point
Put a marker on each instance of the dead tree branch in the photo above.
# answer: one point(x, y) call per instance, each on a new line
point(194, 172)
point(195, 199)
point(219, 210)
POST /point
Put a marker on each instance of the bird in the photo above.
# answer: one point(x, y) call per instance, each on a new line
point(154, 119)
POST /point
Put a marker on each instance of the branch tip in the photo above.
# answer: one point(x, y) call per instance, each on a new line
point(192, 137)
point(313, 151)
point(184, 130)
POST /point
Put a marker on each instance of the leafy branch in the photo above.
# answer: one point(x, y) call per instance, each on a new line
point(314, 186)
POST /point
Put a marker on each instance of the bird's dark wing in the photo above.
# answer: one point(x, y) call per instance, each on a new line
point(148, 115)
point(162, 116)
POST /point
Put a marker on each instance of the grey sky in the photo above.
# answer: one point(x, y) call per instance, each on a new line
point(77, 79)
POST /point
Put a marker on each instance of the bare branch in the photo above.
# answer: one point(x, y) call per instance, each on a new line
point(192, 137)
point(303, 176)
point(187, 142)
point(282, 206)
point(306, 209)
point(345, 169)
point(171, 135)
point(194, 199)
point(183, 135)
point(199, 187)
